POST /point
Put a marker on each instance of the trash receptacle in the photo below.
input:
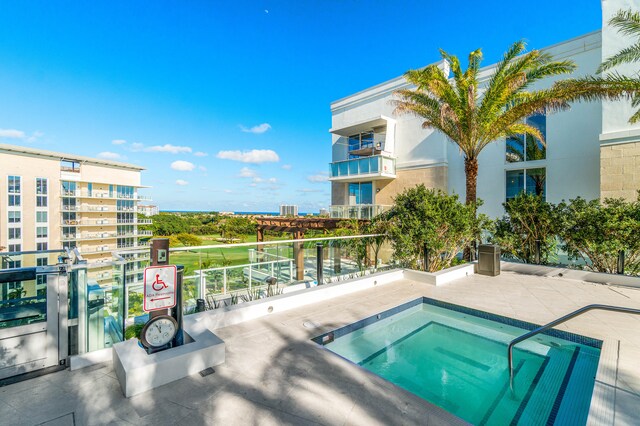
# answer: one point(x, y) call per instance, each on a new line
point(489, 260)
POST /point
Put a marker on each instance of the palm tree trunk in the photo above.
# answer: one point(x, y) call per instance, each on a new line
point(471, 174)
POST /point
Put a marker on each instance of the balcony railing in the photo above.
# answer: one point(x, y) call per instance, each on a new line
point(360, 211)
point(374, 166)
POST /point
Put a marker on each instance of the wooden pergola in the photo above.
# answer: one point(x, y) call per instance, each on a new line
point(297, 226)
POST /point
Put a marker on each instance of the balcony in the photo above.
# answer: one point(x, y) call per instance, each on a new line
point(97, 208)
point(96, 235)
point(359, 211)
point(375, 167)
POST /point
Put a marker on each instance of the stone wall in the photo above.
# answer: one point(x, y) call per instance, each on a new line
point(431, 177)
point(620, 171)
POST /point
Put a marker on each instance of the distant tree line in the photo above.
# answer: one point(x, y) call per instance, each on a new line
point(183, 224)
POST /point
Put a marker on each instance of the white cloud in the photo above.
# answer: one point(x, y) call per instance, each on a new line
point(309, 190)
point(118, 142)
point(228, 191)
point(200, 154)
point(182, 182)
point(273, 180)
point(19, 134)
point(253, 156)
point(260, 128)
point(202, 168)
point(287, 166)
point(107, 155)
point(183, 166)
point(12, 134)
point(247, 172)
point(172, 149)
point(319, 177)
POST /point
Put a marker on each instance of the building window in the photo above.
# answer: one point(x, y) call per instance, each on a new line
point(14, 185)
point(42, 261)
point(41, 201)
point(14, 217)
point(526, 147)
point(14, 200)
point(68, 188)
point(15, 233)
point(360, 141)
point(531, 181)
point(41, 232)
point(360, 193)
point(42, 246)
point(41, 186)
point(14, 248)
point(11, 264)
point(70, 166)
point(41, 217)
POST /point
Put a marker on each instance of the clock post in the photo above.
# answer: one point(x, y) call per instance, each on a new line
point(163, 300)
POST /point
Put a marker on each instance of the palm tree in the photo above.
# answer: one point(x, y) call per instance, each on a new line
point(628, 23)
point(473, 118)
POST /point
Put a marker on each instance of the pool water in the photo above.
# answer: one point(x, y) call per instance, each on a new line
point(456, 358)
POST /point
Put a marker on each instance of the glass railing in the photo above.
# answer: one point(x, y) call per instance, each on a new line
point(375, 165)
point(228, 274)
point(24, 301)
point(359, 211)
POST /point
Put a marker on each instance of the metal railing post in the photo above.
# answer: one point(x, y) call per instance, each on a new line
point(224, 281)
point(203, 284)
point(319, 261)
point(425, 253)
point(620, 269)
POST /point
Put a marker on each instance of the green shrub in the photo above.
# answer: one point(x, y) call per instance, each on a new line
point(528, 219)
point(597, 231)
point(423, 216)
point(133, 331)
point(188, 239)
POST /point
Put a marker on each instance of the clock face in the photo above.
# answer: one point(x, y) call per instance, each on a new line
point(159, 331)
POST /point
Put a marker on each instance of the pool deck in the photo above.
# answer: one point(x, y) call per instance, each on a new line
point(275, 375)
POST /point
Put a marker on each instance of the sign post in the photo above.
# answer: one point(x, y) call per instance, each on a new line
point(160, 288)
point(162, 298)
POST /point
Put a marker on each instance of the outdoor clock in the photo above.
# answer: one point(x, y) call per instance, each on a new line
point(158, 331)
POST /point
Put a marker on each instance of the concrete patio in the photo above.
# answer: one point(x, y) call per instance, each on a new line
point(275, 375)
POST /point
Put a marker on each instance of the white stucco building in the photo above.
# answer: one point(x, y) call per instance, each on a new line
point(591, 150)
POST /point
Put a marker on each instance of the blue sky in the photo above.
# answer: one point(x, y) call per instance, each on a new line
point(227, 103)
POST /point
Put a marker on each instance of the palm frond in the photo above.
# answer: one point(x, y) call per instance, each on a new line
point(627, 22)
point(625, 56)
point(612, 87)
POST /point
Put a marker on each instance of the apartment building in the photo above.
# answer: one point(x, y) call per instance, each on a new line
point(591, 150)
point(51, 201)
point(288, 210)
point(148, 210)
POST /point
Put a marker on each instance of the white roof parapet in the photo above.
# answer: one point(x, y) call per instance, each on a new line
point(559, 50)
point(20, 150)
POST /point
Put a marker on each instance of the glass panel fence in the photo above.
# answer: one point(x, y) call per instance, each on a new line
point(23, 297)
point(239, 273)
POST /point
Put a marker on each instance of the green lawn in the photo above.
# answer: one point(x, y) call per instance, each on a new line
point(224, 256)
